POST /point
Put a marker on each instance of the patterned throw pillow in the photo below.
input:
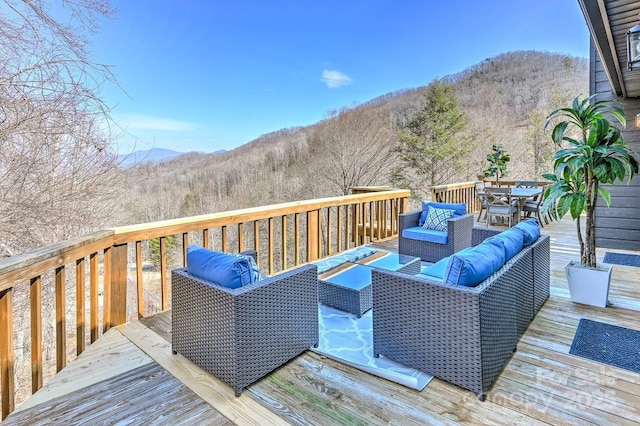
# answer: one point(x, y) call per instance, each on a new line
point(437, 219)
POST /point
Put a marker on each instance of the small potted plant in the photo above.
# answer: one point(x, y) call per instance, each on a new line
point(597, 154)
point(498, 160)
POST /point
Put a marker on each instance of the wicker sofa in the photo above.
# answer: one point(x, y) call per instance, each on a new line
point(239, 335)
point(458, 236)
point(463, 335)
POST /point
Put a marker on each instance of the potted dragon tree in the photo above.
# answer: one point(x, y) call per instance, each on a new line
point(591, 152)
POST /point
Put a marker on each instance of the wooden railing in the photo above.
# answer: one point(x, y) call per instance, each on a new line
point(285, 235)
point(463, 192)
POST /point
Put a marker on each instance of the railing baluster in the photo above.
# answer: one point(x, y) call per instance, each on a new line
point(329, 233)
point(80, 306)
point(355, 216)
point(339, 229)
point(185, 243)
point(379, 213)
point(163, 274)
point(270, 245)
point(35, 300)
point(93, 296)
point(205, 238)
point(284, 241)
point(106, 290)
point(256, 240)
point(296, 239)
point(139, 280)
point(224, 238)
point(61, 320)
point(7, 356)
point(348, 217)
point(240, 237)
point(371, 219)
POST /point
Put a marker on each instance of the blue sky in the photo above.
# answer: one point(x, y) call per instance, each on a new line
point(208, 75)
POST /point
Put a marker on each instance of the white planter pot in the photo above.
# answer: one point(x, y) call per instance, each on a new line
point(587, 285)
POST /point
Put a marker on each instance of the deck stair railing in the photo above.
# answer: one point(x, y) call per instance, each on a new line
point(94, 276)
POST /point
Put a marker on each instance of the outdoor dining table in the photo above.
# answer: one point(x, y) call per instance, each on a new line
point(521, 195)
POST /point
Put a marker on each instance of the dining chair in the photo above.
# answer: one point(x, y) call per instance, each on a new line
point(500, 204)
point(534, 205)
point(480, 186)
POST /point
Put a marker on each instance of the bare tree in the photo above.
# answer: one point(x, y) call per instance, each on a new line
point(358, 148)
point(58, 171)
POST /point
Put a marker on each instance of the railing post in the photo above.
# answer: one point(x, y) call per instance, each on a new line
point(118, 305)
point(6, 352)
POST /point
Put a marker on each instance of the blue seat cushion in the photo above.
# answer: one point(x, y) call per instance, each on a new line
point(470, 266)
point(459, 209)
point(422, 234)
point(436, 271)
point(512, 241)
point(225, 269)
point(530, 229)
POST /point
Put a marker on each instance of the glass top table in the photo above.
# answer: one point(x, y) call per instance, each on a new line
point(347, 286)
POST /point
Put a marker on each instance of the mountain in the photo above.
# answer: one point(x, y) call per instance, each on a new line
point(149, 155)
point(153, 155)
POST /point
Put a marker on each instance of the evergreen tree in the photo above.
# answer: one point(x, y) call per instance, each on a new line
point(433, 145)
point(154, 250)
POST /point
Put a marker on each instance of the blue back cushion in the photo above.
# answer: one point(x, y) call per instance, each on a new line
point(459, 209)
point(530, 229)
point(471, 266)
point(226, 269)
point(512, 240)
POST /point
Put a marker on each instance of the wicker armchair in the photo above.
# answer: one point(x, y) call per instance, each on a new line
point(458, 237)
point(240, 335)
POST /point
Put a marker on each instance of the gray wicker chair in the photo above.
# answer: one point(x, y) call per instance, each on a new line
point(240, 335)
point(458, 237)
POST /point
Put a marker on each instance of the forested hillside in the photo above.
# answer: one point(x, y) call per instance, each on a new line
point(503, 100)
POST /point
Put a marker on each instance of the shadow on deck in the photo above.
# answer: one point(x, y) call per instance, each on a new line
point(130, 375)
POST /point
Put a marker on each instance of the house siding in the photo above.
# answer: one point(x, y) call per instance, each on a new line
point(618, 225)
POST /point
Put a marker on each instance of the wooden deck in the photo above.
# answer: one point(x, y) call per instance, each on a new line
point(130, 376)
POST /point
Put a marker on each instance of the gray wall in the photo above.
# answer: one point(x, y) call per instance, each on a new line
point(618, 226)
